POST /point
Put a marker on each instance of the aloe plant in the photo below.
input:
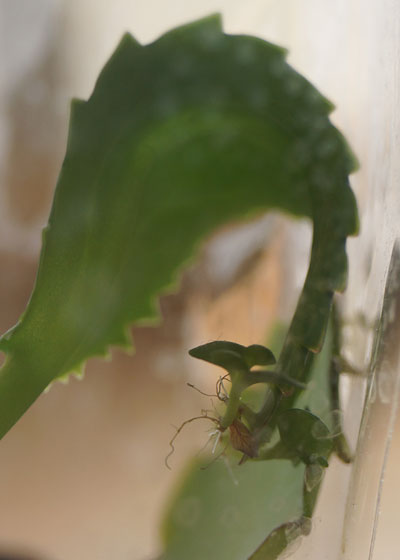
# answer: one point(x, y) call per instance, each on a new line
point(178, 137)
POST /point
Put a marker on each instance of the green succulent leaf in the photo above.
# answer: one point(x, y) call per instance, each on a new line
point(306, 436)
point(258, 355)
point(226, 511)
point(231, 355)
point(227, 355)
point(178, 137)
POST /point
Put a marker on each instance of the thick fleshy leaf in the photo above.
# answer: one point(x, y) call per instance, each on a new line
point(258, 355)
point(231, 355)
point(178, 137)
point(305, 435)
point(226, 511)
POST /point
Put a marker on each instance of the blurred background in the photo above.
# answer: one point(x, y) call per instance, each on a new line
point(82, 474)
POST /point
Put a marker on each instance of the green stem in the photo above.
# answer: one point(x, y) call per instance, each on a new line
point(307, 330)
point(249, 416)
point(342, 447)
point(310, 499)
point(233, 405)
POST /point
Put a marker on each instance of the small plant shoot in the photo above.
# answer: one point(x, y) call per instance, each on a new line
point(179, 137)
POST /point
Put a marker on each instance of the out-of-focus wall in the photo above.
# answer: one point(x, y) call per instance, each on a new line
point(82, 473)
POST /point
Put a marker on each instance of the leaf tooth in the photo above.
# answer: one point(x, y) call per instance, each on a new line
point(123, 339)
point(151, 315)
point(128, 39)
point(79, 371)
point(201, 28)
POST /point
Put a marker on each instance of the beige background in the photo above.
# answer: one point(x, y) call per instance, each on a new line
point(82, 475)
